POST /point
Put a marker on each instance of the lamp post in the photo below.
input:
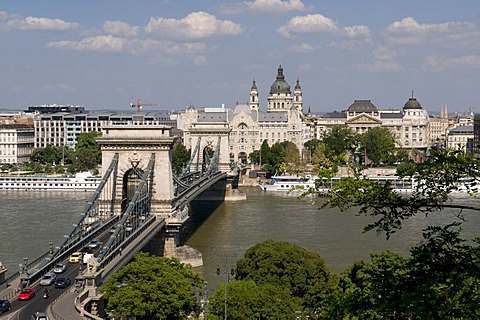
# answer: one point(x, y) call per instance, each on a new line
point(228, 273)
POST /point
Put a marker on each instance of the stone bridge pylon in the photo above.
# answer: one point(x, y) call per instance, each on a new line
point(135, 144)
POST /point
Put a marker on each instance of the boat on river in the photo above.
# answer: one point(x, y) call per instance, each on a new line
point(289, 183)
point(81, 182)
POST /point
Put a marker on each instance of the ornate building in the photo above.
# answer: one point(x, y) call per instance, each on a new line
point(409, 125)
point(283, 120)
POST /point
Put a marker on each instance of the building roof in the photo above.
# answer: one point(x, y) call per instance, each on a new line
point(15, 126)
point(272, 117)
point(462, 129)
point(362, 106)
point(212, 117)
point(412, 103)
point(280, 86)
point(335, 114)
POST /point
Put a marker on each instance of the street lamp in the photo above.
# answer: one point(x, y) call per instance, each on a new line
point(228, 273)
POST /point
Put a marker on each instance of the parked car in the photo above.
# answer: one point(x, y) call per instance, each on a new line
point(48, 279)
point(62, 282)
point(60, 267)
point(26, 294)
point(94, 244)
point(5, 306)
point(76, 257)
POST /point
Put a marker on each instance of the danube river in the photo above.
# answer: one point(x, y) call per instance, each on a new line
point(31, 220)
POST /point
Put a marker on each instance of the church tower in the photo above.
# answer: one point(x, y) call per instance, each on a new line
point(297, 98)
point(253, 103)
point(280, 96)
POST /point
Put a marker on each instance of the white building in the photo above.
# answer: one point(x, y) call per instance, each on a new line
point(410, 125)
point(460, 137)
point(16, 143)
point(283, 120)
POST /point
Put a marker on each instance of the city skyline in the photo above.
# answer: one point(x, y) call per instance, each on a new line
point(106, 55)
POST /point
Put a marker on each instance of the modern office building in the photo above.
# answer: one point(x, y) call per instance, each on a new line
point(62, 128)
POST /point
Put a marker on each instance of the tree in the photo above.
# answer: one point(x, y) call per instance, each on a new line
point(48, 155)
point(441, 280)
point(87, 155)
point(248, 300)
point(152, 287)
point(435, 178)
point(339, 140)
point(302, 272)
point(379, 144)
point(311, 146)
point(180, 157)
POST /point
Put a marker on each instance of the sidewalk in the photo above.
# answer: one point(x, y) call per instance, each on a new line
point(64, 308)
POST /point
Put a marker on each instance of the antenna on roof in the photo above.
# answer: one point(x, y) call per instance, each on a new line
point(412, 94)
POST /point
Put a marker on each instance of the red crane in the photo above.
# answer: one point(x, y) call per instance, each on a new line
point(139, 105)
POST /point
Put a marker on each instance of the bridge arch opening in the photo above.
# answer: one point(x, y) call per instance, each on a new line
point(131, 179)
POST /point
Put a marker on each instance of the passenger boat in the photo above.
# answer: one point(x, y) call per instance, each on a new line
point(81, 182)
point(289, 183)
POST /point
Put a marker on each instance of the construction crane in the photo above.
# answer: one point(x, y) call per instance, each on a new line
point(139, 105)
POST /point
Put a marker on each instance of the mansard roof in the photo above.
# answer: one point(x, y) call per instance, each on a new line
point(212, 117)
point(412, 103)
point(335, 114)
point(362, 106)
point(273, 117)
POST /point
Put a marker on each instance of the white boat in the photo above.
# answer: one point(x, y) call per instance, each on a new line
point(80, 182)
point(287, 183)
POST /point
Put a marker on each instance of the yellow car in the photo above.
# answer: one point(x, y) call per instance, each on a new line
point(76, 257)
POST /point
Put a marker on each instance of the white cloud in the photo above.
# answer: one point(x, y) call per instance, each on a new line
point(302, 48)
point(409, 31)
point(119, 28)
point(99, 43)
point(357, 32)
point(275, 5)
point(196, 25)
point(3, 15)
point(134, 46)
point(42, 24)
point(268, 6)
point(312, 23)
point(434, 63)
point(384, 60)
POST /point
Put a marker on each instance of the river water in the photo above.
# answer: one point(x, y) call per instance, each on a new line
point(31, 220)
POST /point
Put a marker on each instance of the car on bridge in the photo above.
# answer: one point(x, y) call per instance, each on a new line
point(39, 316)
point(62, 283)
point(48, 279)
point(5, 306)
point(26, 294)
point(60, 267)
point(94, 244)
point(76, 257)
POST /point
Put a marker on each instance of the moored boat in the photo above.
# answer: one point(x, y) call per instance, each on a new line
point(80, 182)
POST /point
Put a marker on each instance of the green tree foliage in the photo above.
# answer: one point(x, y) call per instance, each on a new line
point(285, 265)
point(441, 280)
point(311, 146)
point(247, 300)
point(152, 287)
point(435, 178)
point(48, 155)
point(379, 144)
point(180, 158)
point(339, 141)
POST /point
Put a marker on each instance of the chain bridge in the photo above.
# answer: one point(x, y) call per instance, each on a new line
point(138, 198)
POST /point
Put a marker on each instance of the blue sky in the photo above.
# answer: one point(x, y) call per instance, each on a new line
point(107, 54)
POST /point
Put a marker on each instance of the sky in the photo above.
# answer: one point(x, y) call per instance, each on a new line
point(172, 54)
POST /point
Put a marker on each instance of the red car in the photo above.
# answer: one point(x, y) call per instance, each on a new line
point(26, 294)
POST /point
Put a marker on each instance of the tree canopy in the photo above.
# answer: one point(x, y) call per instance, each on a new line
point(152, 287)
point(302, 272)
point(180, 157)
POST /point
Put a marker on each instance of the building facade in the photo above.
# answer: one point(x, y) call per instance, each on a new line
point(16, 143)
point(249, 126)
point(62, 129)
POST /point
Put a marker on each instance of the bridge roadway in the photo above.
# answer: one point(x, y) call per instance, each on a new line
point(63, 304)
